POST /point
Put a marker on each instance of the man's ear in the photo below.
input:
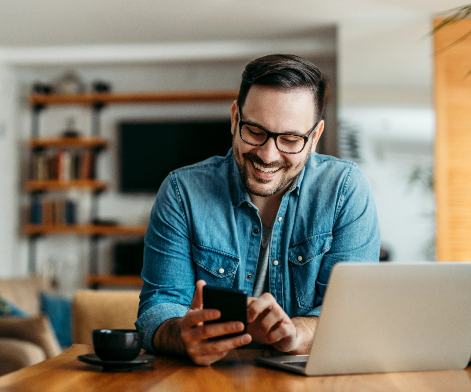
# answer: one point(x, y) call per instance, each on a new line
point(234, 116)
point(317, 136)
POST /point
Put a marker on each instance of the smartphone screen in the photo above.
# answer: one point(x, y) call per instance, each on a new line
point(231, 303)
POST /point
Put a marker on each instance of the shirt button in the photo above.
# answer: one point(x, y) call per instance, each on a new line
point(300, 258)
point(275, 262)
point(256, 231)
point(280, 219)
point(221, 270)
point(249, 276)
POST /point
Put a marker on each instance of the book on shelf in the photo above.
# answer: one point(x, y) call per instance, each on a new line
point(53, 211)
point(63, 165)
point(36, 211)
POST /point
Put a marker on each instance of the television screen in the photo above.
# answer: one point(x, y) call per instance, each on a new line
point(149, 151)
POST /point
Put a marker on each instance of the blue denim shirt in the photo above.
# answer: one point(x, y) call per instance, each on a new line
point(204, 226)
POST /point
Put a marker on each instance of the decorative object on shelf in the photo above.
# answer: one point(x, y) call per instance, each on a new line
point(105, 222)
point(70, 83)
point(42, 88)
point(70, 130)
point(50, 271)
point(100, 86)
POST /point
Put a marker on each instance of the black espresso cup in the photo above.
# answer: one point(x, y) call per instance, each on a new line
point(117, 344)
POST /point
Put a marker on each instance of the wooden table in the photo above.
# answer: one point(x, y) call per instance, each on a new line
point(237, 372)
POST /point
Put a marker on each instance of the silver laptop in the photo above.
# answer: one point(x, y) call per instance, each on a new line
point(390, 317)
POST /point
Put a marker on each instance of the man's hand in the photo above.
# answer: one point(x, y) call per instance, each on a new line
point(269, 324)
point(195, 334)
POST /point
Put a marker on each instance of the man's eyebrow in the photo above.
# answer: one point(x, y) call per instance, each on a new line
point(254, 124)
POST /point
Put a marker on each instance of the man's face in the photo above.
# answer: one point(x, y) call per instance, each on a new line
point(265, 170)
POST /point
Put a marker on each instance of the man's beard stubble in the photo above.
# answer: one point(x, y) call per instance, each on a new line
point(250, 157)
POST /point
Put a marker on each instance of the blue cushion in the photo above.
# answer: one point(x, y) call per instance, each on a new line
point(8, 308)
point(58, 309)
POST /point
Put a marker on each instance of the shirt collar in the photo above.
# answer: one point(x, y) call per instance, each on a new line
point(238, 192)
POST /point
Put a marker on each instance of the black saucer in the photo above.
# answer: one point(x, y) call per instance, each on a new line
point(92, 359)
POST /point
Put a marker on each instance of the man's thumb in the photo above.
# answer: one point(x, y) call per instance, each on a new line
point(197, 302)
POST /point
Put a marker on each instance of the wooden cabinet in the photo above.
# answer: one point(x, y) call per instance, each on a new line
point(38, 187)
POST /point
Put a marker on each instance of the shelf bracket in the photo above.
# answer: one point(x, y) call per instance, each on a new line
point(97, 107)
point(35, 119)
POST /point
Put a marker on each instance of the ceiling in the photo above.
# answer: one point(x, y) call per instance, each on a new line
point(384, 54)
point(28, 23)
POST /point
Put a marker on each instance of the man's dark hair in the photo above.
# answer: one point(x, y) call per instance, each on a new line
point(284, 72)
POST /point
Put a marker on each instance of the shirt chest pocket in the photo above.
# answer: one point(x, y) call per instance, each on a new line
point(305, 259)
point(214, 267)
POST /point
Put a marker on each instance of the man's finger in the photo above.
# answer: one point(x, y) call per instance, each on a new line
point(266, 301)
point(281, 331)
point(272, 318)
point(197, 302)
point(208, 331)
point(219, 329)
point(225, 345)
point(208, 352)
point(195, 317)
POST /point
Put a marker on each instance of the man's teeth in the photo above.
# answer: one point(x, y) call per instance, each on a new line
point(265, 169)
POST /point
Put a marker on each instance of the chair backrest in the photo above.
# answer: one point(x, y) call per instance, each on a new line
point(96, 309)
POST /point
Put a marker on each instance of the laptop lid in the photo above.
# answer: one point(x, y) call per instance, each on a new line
point(393, 317)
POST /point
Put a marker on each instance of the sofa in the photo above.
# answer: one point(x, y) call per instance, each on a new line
point(25, 341)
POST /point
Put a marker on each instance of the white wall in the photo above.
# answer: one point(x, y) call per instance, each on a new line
point(11, 260)
point(395, 144)
point(389, 103)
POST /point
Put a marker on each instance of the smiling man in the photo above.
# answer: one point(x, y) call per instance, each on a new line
point(271, 218)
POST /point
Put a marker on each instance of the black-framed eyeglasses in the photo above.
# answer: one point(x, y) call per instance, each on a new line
point(256, 135)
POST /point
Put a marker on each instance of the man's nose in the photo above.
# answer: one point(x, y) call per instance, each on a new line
point(268, 152)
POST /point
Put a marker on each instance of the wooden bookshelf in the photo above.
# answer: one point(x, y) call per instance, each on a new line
point(92, 146)
point(58, 142)
point(115, 98)
point(105, 230)
point(113, 280)
point(57, 185)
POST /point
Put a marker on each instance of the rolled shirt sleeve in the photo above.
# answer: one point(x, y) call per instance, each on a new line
point(167, 264)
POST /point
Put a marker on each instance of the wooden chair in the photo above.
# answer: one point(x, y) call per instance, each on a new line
point(99, 309)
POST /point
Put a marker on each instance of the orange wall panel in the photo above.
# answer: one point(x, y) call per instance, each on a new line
point(453, 142)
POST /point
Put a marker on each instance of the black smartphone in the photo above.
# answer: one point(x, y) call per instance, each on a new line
point(231, 303)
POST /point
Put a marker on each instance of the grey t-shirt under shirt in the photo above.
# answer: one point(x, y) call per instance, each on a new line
point(261, 277)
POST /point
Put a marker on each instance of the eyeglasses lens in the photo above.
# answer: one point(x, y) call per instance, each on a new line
point(285, 143)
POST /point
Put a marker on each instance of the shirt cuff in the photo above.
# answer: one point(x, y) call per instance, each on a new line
point(314, 312)
point(152, 318)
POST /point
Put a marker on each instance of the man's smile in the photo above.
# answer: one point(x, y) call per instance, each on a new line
point(265, 169)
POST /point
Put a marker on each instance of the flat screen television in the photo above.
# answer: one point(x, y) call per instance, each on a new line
point(149, 151)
